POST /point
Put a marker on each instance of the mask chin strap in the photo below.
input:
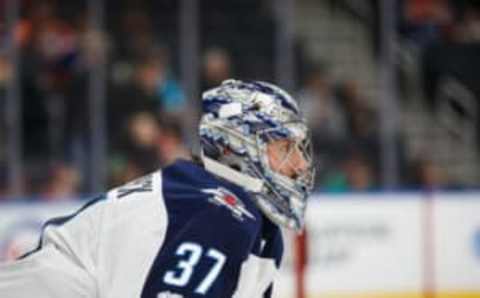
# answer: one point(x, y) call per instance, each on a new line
point(251, 184)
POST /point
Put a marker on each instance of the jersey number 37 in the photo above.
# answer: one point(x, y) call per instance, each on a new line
point(190, 254)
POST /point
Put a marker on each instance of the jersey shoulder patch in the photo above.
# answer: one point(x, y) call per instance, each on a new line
point(222, 197)
point(196, 190)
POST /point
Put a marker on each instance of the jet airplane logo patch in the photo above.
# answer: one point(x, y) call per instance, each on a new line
point(223, 197)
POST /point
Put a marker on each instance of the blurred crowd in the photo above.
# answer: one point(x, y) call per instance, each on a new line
point(147, 106)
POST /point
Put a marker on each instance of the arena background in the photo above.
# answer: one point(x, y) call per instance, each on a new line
point(96, 92)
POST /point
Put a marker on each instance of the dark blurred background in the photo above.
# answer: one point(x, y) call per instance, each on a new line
point(94, 93)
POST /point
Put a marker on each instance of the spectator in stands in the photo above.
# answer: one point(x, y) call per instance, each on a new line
point(427, 175)
point(140, 146)
point(63, 183)
point(363, 127)
point(355, 172)
point(469, 27)
point(173, 101)
point(426, 22)
point(170, 145)
point(152, 87)
point(134, 37)
point(137, 152)
point(320, 106)
point(50, 51)
point(147, 87)
point(127, 100)
point(217, 67)
point(361, 118)
point(361, 122)
point(325, 115)
point(450, 69)
point(360, 173)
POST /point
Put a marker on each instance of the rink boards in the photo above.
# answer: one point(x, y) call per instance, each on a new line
point(363, 245)
point(392, 245)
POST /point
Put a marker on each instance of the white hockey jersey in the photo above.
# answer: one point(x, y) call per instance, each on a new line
point(180, 232)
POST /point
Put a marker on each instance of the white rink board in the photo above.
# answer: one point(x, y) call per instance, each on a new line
point(365, 243)
point(20, 225)
point(362, 243)
point(457, 242)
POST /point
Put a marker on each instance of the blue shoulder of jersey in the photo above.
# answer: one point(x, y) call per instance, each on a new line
point(191, 190)
point(213, 227)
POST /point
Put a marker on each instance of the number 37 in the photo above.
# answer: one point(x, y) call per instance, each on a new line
point(193, 253)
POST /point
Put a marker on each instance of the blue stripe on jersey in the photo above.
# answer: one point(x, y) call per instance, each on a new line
point(272, 237)
point(195, 222)
point(58, 221)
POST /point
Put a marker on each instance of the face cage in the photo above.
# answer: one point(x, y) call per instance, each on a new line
point(285, 198)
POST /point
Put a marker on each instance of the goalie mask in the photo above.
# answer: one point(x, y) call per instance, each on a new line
point(250, 133)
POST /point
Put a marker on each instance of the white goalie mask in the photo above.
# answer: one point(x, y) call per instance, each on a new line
point(240, 119)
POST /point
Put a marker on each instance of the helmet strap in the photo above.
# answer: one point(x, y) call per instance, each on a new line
point(249, 183)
